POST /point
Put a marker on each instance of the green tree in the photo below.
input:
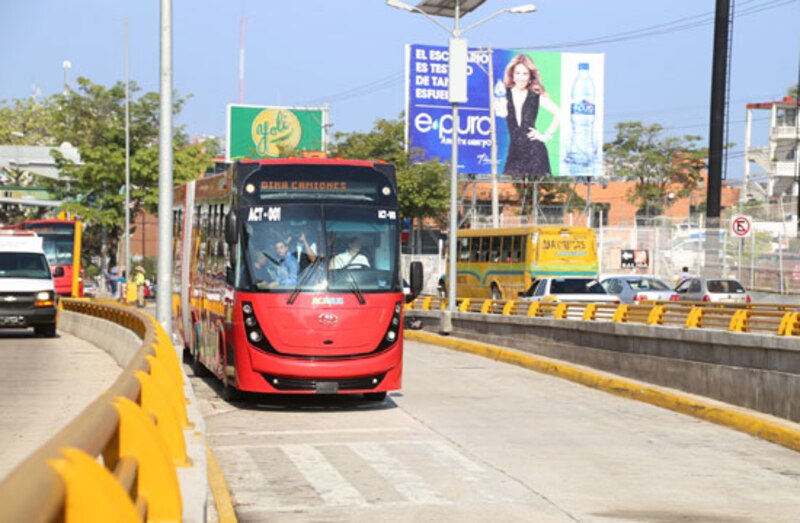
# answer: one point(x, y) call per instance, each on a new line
point(423, 188)
point(92, 117)
point(793, 90)
point(657, 164)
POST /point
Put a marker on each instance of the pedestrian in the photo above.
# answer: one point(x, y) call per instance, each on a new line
point(139, 281)
point(122, 284)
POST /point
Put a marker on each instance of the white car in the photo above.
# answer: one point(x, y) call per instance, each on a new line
point(632, 288)
point(569, 289)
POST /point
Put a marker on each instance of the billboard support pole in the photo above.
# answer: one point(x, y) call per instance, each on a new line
point(495, 197)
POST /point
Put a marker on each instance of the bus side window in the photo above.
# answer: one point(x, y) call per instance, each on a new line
point(474, 250)
point(517, 248)
point(463, 250)
point(505, 251)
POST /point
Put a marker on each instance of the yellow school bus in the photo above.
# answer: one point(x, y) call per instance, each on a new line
point(500, 263)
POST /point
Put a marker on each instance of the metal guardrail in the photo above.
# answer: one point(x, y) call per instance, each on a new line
point(778, 319)
point(117, 460)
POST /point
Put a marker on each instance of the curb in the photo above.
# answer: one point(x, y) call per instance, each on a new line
point(761, 426)
point(219, 490)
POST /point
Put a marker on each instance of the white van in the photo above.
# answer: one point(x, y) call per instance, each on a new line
point(27, 293)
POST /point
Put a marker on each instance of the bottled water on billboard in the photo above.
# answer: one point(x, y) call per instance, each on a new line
point(500, 107)
point(581, 150)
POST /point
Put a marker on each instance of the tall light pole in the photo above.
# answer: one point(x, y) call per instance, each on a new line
point(66, 65)
point(457, 94)
point(164, 291)
point(127, 160)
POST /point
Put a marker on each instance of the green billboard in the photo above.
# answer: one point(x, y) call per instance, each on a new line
point(273, 132)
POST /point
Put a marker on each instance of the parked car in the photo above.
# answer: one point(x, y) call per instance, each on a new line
point(637, 288)
point(568, 290)
point(90, 289)
point(714, 290)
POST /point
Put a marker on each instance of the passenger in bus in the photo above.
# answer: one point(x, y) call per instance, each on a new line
point(351, 258)
point(273, 272)
point(306, 252)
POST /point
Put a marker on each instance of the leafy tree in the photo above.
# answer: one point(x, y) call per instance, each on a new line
point(423, 188)
point(92, 118)
point(639, 153)
point(793, 90)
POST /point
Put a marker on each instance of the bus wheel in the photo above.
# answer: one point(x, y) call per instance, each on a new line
point(375, 396)
point(496, 294)
point(229, 392)
point(198, 368)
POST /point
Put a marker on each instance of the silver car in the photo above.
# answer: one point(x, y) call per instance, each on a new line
point(714, 290)
point(637, 288)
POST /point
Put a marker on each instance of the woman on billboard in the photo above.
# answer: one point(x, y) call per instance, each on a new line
point(525, 95)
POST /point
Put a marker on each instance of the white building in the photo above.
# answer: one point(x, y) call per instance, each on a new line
point(771, 170)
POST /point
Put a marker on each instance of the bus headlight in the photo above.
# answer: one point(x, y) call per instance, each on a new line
point(393, 330)
point(255, 336)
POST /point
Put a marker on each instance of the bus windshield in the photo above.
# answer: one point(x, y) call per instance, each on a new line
point(319, 248)
point(59, 250)
point(58, 239)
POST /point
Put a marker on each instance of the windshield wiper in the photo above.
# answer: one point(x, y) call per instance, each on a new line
point(354, 287)
point(303, 278)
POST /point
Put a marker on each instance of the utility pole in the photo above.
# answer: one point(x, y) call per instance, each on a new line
point(164, 293)
point(716, 133)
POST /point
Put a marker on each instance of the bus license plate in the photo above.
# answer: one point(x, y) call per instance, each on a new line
point(327, 387)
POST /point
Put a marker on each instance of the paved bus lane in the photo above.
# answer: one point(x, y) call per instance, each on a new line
point(44, 384)
point(471, 439)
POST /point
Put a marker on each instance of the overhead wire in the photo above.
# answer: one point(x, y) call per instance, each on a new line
point(677, 25)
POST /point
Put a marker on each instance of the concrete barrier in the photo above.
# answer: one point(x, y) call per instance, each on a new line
point(135, 453)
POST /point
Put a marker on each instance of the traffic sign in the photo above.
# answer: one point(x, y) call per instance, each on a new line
point(741, 226)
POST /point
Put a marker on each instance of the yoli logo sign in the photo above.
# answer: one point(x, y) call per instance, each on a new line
point(275, 131)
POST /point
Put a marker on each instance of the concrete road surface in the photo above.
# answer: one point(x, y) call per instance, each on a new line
point(470, 439)
point(44, 384)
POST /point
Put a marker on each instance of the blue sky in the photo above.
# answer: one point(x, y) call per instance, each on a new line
point(349, 54)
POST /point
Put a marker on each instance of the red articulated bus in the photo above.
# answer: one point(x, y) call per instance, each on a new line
point(62, 246)
point(289, 277)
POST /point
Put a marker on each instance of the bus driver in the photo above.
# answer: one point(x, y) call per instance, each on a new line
point(351, 258)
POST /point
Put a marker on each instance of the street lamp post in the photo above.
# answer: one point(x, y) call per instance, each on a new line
point(66, 65)
point(457, 94)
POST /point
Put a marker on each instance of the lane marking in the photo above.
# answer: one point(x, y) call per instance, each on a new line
point(406, 482)
point(253, 491)
point(331, 486)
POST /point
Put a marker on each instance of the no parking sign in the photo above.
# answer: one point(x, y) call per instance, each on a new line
point(741, 226)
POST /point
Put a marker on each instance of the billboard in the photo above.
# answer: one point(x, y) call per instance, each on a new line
point(272, 132)
point(529, 114)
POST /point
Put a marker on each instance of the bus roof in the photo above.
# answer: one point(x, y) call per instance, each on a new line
point(312, 161)
point(530, 229)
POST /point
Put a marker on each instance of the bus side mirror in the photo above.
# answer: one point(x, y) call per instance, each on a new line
point(229, 277)
point(231, 230)
point(58, 272)
point(415, 273)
